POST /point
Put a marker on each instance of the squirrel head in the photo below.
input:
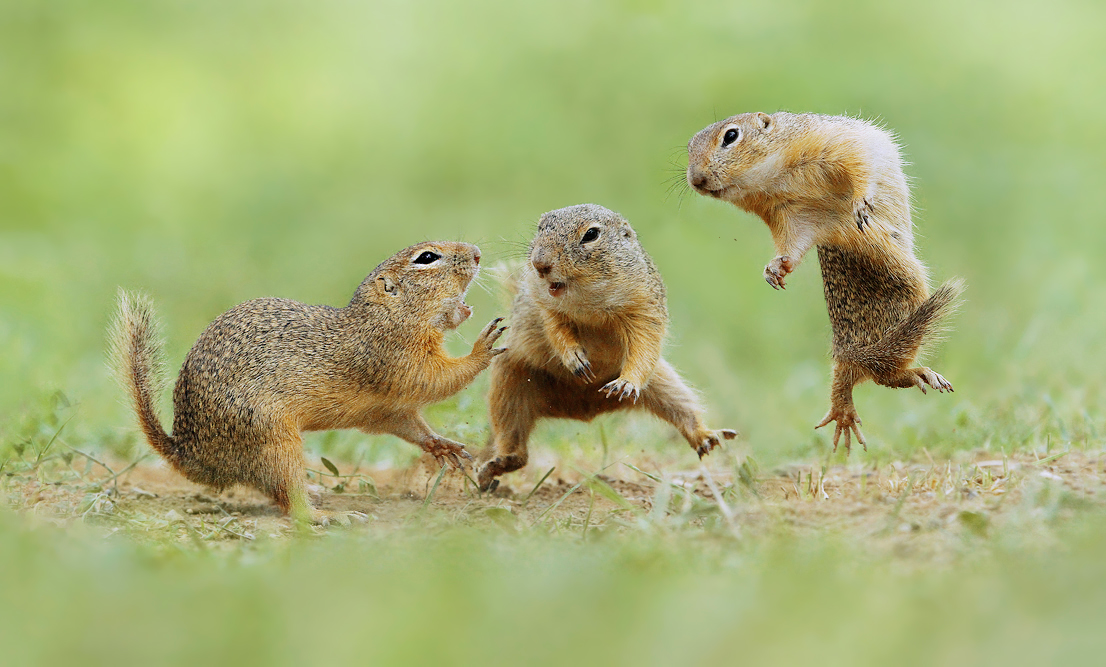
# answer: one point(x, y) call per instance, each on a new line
point(585, 257)
point(735, 157)
point(427, 281)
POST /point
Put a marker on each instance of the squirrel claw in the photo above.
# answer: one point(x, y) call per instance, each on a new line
point(862, 211)
point(777, 269)
point(446, 451)
point(622, 389)
point(848, 423)
point(577, 362)
point(490, 334)
point(711, 439)
point(924, 376)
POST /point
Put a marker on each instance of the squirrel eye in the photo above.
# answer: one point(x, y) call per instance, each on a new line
point(732, 135)
point(590, 235)
point(427, 257)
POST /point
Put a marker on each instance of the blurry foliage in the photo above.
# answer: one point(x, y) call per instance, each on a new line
point(470, 593)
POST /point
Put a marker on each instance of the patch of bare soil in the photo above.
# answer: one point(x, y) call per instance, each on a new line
point(922, 509)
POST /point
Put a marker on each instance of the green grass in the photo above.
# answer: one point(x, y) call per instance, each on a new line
point(454, 591)
point(208, 153)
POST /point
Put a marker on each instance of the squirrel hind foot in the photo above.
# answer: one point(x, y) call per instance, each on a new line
point(445, 451)
point(711, 439)
point(848, 423)
point(500, 465)
point(927, 376)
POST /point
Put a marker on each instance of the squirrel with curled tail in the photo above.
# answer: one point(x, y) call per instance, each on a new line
point(835, 183)
point(268, 369)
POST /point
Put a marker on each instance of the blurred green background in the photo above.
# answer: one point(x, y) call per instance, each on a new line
point(212, 152)
point(209, 153)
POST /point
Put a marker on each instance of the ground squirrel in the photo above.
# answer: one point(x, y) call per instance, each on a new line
point(587, 326)
point(270, 368)
point(836, 183)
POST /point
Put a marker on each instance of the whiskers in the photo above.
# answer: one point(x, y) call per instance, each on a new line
point(676, 183)
point(511, 249)
point(500, 279)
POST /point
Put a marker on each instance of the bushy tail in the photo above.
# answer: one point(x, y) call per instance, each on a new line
point(902, 341)
point(137, 360)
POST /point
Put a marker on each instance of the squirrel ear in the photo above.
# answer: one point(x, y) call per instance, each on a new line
point(765, 121)
point(388, 284)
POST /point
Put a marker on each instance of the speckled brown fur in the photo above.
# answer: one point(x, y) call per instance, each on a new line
point(587, 328)
point(835, 183)
point(268, 369)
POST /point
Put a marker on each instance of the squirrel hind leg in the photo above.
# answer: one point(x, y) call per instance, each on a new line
point(291, 497)
point(842, 410)
point(282, 478)
point(413, 428)
point(514, 405)
point(667, 397)
point(506, 451)
point(919, 377)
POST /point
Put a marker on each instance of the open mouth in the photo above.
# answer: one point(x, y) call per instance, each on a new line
point(556, 289)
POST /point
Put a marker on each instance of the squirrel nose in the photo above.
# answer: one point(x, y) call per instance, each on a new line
point(476, 256)
point(697, 178)
point(543, 267)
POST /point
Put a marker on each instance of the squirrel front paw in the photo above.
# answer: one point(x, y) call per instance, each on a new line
point(862, 213)
point(485, 342)
point(777, 269)
point(576, 360)
point(848, 422)
point(705, 440)
point(622, 389)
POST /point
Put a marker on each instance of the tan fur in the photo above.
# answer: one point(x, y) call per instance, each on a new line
point(268, 369)
point(593, 347)
point(836, 183)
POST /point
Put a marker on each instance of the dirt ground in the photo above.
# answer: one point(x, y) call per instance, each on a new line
point(926, 509)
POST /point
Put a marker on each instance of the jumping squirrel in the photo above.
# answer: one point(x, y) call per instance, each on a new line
point(268, 369)
point(587, 327)
point(836, 183)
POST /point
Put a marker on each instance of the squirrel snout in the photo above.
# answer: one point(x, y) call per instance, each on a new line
point(697, 178)
point(542, 261)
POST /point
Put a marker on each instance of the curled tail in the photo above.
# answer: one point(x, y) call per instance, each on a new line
point(137, 360)
point(901, 342)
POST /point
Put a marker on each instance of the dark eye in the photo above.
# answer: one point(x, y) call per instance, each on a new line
point(427, 257)
point(731, 135)
point(590, 235)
